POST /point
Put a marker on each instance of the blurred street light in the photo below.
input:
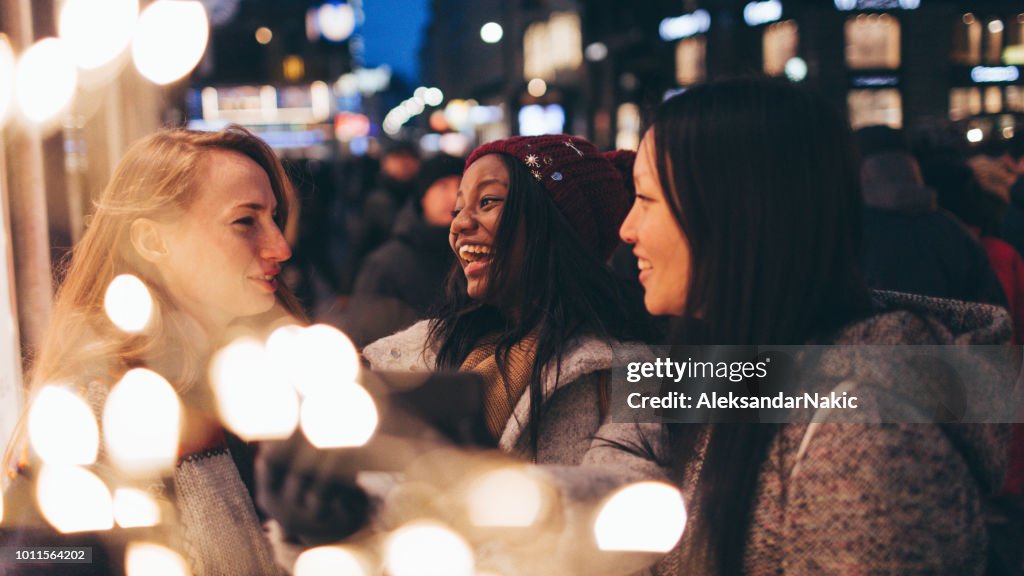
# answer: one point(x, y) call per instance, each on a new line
point(45, 80)
point(264, 35)
point(97, 32)
point(537, 87)
point(491, 32)
point(170, 39)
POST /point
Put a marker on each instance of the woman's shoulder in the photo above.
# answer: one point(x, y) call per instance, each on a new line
point(900, 318)
point(407, 350)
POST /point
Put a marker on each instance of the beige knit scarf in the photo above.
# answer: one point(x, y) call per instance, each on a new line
point(501, 395)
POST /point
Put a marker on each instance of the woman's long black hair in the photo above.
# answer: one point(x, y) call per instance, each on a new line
point(762, 178)
point(542, 280)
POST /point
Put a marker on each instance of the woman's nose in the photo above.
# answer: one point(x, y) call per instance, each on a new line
point(628, 229)
point(461, 222)
point(276, 248)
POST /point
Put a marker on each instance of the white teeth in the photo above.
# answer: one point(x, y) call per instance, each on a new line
point(643, 264)
point(471, 251)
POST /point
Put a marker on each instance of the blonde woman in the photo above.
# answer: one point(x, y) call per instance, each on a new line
point(198, 217)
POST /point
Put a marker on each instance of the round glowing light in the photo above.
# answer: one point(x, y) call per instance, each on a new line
point(345, 416)
point(149, 559)
point(412, 107)
point(642, 517)
point(252, 400)
point(420, 94)
point(995, 26)
point(45, 80)
point(135, 508)
point(6, 77)
point(427, 549)
point(596, 52)
point(796, 69)
point(142, 422)
point(316, 358)
point(968, 18)
point(62, 428)
point(975, 135)
point(329, 560)
point(336, 21)
point(537, 87)
point(505, 498)
point(264, 35)
point(72, 499)
point(170, 39)
point(96, 32)
point(491, 32)
point(128, 303)
point(433, 97)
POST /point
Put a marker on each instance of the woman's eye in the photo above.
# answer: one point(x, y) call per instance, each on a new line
point(247, 221)
point(484, 202)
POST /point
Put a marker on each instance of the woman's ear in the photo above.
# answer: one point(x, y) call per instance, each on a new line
point(148, 240)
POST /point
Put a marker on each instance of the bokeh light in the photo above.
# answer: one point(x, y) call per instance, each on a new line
point(149, 559)
point(6, 77)
point(505, 498)
point(45, 80)
point(491, 32)
point(170, 39)
point(62, 428)
point(128, 303)
point(264, 35)
point(135, 508)
point(252, 400)
point(329, 560)
point(642, 517)
point(97, 31)
point(433, 97)
point(425, 548)
point(142, 422)
point(975, 135)
point(336, 21)
point(313, 359)
point(72, 499)
point(343, 417)
point(537, 87)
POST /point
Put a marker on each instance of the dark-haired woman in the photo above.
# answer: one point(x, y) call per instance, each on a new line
point(746, 227)
point(532, 305)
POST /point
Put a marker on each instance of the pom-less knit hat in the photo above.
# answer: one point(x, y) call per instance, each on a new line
point(588, 187)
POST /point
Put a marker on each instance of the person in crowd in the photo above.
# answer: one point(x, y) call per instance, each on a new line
point(1011, 227)
point(909, 244)
point(198, 218)
point(532, 304)
point(371, 219)
point(767, 252)
point(404, 279)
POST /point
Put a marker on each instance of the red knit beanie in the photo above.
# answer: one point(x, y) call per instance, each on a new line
point(588, 187)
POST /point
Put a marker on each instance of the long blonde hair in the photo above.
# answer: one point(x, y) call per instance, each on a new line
point(158, 178)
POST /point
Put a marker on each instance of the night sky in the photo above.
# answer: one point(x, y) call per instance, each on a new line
point(392, 32)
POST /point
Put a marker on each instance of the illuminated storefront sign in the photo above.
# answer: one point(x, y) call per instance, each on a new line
point(874, 81)
point(848, 5)
point(757, 13)
point(985, 74)
point(552, 46)
point(685, 26)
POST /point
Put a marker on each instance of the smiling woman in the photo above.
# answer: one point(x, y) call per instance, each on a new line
point(198, 218)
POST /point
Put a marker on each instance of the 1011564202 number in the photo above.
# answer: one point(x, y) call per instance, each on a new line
point(49, 555)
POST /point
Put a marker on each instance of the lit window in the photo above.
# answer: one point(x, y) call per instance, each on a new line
point(993, 100)
point(964, 102)
point(994, 41)
point(871, 107)
point(627, 121)
point(967, 40)
point(690, 60)
point(551, 46)
point(1014, 99)
point(780, 43)
point(872, 41)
